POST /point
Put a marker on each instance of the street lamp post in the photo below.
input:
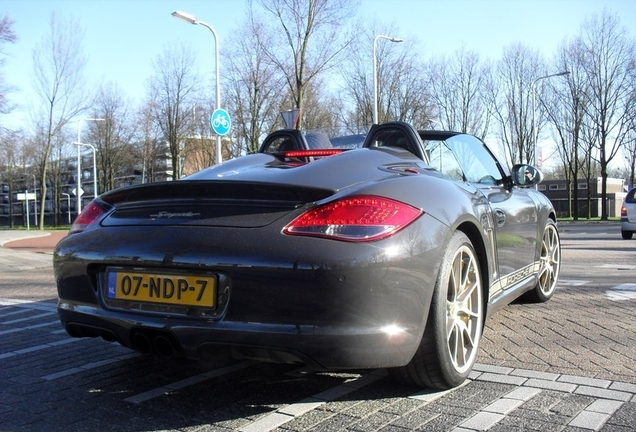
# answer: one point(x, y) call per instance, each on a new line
point(35, 202)
point(375, 73)
point(193, 20)
point(94, 166)
point(79, 163)
point(68, 206)
point(534, 110)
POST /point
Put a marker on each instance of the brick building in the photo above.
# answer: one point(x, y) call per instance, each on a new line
point(556, 191)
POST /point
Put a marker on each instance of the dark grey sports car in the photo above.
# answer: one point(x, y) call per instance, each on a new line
point(389, 254)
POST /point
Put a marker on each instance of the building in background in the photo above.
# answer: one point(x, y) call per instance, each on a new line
point(588, 196)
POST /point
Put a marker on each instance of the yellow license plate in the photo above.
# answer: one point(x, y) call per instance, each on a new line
point(173, 289)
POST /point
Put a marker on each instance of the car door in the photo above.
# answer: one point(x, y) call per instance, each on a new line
point(514, 214)
point(515, 222)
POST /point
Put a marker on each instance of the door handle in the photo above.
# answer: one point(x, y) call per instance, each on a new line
point(500, 217)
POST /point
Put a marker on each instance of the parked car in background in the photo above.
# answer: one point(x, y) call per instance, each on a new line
point(387, 250)
point(628, 215)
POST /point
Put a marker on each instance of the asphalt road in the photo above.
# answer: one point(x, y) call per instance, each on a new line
point(564, 365)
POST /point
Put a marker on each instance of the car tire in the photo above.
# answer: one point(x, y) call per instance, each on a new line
point(448, 349)
point(549, 265)
point(627, 235)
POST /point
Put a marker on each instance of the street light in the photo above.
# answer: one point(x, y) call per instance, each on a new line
point(534, 109)
point(193, 20)
point(79, 163)
point(375, 73)
point(35, 203)
point(68, 206)
point(94, 166)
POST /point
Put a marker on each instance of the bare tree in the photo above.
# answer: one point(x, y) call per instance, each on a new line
point(58, 176)
point(403, 93)
point(608, 56)
point(58, 65)
point(357, 94)
point(566, 109)
point(174, 89)
point(319, 112)
point(629, 149)
point(12, 163)
point(201, 146)
point(311, 37)
point(254, 87)
point(511, 96)
point(112, 136)
point(148, 143)
point(458, 85)
point(6, 36)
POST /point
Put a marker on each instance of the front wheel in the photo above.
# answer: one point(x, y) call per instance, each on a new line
point(549, 265)
point(448, 349)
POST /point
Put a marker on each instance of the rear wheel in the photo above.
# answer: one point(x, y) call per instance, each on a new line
point(448, 349)
point(550, 262)
point(627, 235)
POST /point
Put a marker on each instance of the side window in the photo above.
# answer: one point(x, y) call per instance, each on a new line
point(442, 159)
point(631, 196)
point(475, 160)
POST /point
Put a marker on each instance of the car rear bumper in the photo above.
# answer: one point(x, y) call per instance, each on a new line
point(333, 305)
point(323, 347)
point(626, 225)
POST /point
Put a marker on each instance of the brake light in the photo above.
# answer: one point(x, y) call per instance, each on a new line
point(623, 211)
point(311, 153)
point(90, 214)
point(356, 219)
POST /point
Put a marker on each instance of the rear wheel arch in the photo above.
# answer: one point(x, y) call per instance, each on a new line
point(455, 322)
point(474, 234)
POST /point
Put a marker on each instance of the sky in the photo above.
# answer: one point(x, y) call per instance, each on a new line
point(123, 37)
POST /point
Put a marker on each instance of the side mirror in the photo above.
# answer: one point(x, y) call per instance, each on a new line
point(526, 175)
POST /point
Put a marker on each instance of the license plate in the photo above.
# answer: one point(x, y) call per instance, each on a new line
point(173, 289)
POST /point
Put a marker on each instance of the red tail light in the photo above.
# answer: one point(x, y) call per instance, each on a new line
point(311, 153)
point(90, 214)
point(623, 211)
point(355, 219)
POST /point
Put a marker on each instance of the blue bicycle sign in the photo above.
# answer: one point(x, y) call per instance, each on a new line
point(220, 122)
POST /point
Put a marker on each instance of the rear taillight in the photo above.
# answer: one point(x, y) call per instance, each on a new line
point(90, 214)
point(356, 219)
point(311, 153)
point(623, 211)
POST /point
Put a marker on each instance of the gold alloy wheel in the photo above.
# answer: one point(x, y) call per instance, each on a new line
point(464, 309)
point(550, 260)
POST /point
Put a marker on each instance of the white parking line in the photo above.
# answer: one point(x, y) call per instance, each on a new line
point(160, 391)
point(497, 411)
point(15, 312)
point(571, 282)
point(619, 266)
point(37, 348)
point(34, 326)
point(27, 304)
point(622, 292)
point(610, 395)
point(89, 366)
point(291, 411)
point(29, 318)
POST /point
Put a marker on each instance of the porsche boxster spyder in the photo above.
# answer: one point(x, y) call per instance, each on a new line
point(384, 250)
